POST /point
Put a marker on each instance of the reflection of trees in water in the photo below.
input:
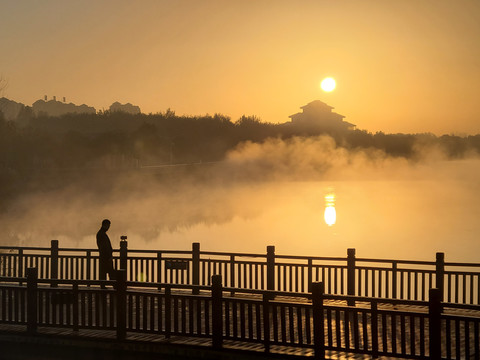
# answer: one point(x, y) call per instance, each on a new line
point(144, 204)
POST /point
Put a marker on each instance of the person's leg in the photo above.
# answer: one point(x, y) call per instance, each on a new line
point(111, 270)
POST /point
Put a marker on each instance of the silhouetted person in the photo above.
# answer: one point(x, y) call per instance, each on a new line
point(105, 253)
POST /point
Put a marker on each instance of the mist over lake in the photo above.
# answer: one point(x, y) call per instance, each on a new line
point(385, 207)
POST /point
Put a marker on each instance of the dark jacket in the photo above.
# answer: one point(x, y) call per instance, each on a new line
point(104, 245)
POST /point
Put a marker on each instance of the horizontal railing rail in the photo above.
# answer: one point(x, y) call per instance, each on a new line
point(378, 278)
point(312, 320)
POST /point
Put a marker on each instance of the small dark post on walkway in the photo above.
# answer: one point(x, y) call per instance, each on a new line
point(54, 262)
point(121, 304)
point(351, 275)
point(196, 266)
point(434, 326)
point(318, 318)
point(440, 273)
point(270, 267)
point(32, 278)
point(123, 253)
point(217, 312)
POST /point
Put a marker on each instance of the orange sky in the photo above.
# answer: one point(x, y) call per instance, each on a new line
point(400, 66)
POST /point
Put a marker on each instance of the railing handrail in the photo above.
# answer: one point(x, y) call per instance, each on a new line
point(242, 254)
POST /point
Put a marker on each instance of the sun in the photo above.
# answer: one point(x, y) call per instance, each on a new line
point(328, 84)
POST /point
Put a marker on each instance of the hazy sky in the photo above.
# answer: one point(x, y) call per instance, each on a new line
point(400, 65)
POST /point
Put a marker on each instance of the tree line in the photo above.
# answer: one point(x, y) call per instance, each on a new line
point(33, 145)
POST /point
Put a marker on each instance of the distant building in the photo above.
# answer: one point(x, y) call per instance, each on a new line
point(58, 108)
point(317, 115)
point(10, 109)
point(126, 108)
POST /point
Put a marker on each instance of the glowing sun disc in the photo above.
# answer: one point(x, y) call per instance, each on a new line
point(328, 84)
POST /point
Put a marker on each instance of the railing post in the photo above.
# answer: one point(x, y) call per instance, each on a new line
point(195, 266)
point(159, 269)
point(270, 267)
point(89, 265)
point(217, 311)
point(374, 324)
point(318, 320)
point(266, 323)
point(440, 273)
point(394, 280)
point(123, 254)
point(232, 273)
point(20, 263)
point(168, 310)
point(32, 295)
point(54, 262)
point(434, 324)
point(75, 307)
point(121, 292)
point(351, 275)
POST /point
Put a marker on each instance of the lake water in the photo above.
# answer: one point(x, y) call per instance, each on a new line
point(426, 209)
point(387, 219)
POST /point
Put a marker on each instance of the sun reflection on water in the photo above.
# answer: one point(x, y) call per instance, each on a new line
point(330, 214)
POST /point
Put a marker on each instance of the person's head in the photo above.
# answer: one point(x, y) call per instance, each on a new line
point(106, 224)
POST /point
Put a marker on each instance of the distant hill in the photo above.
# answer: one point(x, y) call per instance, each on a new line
point(58, 108)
